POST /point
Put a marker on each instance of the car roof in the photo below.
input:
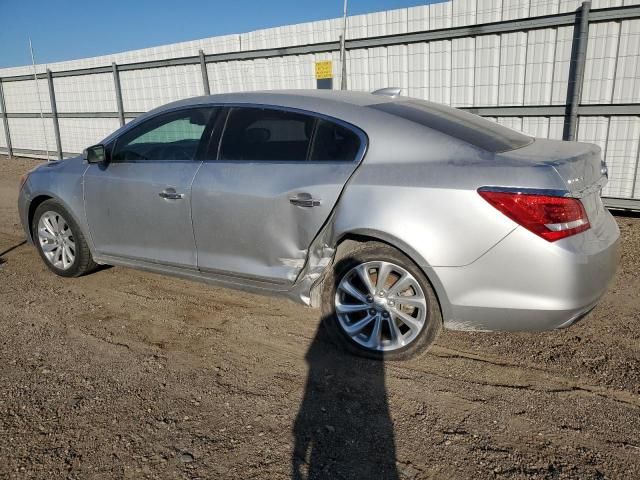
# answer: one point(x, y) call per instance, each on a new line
point(372, 113)
point(343, 105)
point(305, 99)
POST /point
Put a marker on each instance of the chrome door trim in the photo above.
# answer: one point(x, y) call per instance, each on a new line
point(526, 191)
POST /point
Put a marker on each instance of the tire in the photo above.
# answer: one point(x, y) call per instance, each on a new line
point(58, 231)
point(413, 336)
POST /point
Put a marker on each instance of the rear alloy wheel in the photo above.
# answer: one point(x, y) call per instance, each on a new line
point(382, 306)
point(60, 241)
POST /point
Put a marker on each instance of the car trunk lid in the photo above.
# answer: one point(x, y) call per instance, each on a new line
point(579, 165)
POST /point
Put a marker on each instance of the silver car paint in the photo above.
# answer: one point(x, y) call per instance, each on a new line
point(128, 218)
point(266, 236)
point(416, 189)
point(61, 180)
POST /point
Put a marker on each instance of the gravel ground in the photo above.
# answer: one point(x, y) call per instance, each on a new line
point(127, 374)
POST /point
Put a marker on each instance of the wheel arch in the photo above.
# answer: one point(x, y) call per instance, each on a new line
point(349, 239)
point(33, 205)
point(362, 235)
point(41, 197)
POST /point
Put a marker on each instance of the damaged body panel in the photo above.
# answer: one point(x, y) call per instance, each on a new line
point(268, 208)
point(267, 236)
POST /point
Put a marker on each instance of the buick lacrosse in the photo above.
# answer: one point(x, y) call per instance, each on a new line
point(395, 216)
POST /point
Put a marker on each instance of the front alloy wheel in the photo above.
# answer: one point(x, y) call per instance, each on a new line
point(60, 241)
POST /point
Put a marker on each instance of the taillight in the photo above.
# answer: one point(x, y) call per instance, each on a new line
point(548, 216)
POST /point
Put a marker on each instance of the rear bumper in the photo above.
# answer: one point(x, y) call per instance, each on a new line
point(527, 283)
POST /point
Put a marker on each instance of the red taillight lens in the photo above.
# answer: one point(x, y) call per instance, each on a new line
point(550, 217)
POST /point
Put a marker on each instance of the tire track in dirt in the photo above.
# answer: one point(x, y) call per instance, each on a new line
point(534, 378)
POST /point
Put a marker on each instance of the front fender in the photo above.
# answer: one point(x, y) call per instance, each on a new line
point(61, 182)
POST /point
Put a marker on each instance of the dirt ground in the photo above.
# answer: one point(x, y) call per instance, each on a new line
point(126, 374)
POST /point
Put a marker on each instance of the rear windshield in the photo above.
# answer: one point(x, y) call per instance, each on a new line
point(465, 126)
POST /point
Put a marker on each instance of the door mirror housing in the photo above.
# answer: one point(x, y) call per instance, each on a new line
point(95, 154)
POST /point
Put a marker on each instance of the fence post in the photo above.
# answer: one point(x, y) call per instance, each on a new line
point(576, 72)
point(205, 74)
point(54, 114)
point(636, 171)
point(116, 82)
point(5, 120)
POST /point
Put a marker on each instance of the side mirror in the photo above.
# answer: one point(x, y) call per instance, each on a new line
point(95, 154)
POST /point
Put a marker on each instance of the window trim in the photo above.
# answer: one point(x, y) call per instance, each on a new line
point(312, 139)
point(230, 110)
point(225, 108)
point(364, 138)
point(202, 146)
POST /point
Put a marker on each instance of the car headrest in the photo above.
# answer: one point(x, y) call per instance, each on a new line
point(257, 135)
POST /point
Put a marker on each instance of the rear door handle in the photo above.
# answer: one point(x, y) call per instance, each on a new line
point(304, 200)
point(171, 194)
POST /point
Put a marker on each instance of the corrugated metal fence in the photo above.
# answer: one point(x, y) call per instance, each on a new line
point(518, 62)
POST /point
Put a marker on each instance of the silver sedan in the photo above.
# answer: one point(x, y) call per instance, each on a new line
point(394, 215)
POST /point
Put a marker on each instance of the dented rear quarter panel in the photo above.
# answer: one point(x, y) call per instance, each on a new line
point(417, 189)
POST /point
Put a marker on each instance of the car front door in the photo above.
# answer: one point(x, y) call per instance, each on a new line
point(138, 206)
point(279, 174)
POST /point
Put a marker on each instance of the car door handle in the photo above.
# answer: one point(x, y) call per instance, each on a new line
point(171, 194)
point(304, 200)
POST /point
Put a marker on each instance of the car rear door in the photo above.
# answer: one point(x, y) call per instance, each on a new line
point(279, 174)
point(138, 206)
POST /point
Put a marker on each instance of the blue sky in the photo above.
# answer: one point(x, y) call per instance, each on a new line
point(69, 29)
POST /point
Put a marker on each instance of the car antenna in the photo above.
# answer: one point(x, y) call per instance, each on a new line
point(35, 78)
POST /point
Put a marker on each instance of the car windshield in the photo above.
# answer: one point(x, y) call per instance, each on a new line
point(470, 128)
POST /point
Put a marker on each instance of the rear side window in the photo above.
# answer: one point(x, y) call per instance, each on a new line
point(266, 134)
point(478, 131)
point(333, 142)
point(171, 136)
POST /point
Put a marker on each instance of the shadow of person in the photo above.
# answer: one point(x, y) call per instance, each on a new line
point(343, 429)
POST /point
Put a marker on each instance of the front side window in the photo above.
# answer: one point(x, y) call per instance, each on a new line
point(266, 134)
point(172, 136)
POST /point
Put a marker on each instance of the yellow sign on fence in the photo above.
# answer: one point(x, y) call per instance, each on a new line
point(324, 70)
